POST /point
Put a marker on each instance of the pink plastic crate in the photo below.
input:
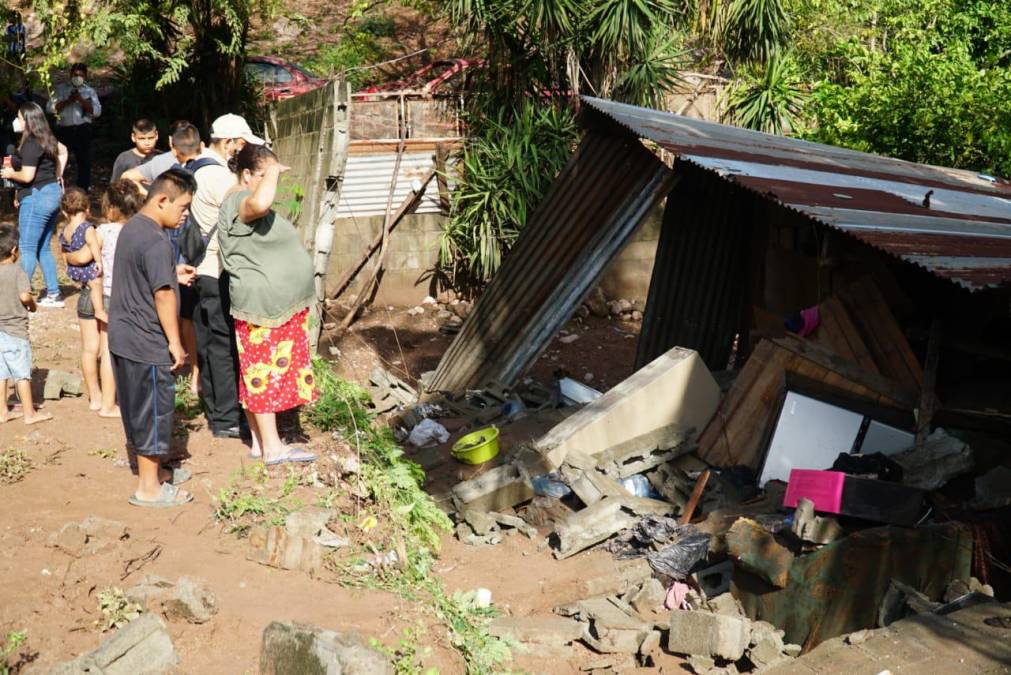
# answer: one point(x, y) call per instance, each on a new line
point(824, 488)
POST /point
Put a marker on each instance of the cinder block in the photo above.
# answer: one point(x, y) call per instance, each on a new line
point(707, 634)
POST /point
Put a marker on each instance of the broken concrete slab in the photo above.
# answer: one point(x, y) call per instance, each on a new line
point(602, 520)
point(993, 489)
point(758, 552)
point(296, 649)
point(273, 547)
point(481, 522)
point(544, 630)
point(675, 389)
point(941, 458)
point(59, 382)
point(590, 485)
point(613, 577)
point(725, 604)
point(715, 580)
point(606, 612)
point(307, 522)
point(649, 596)
point(766, 645)
point(498, 489)
point(704, 633)
point(644, 452)
point(514, 522)
point(813, 528)
point(185, 599)
point(141, 647)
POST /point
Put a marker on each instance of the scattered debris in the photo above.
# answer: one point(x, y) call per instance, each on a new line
point(702, 633)
point(942, 458)
point(296, 648)
point(272, 546)
point(389, 392)
point(602, 520)
point(141, 647)
point(758, 552)
point(428, 432)
point(59, 383)
point(497, 489)
point(813, 528)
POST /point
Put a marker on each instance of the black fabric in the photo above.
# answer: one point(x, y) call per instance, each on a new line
point(876, 465)
point(187, 301)
point(144, 264)
point(31, 154)
point(127, 160)
point(218, 359)
point(192, 242)
point(78, 142)
point(146, 396)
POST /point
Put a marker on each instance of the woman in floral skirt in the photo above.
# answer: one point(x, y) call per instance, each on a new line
point(272, 288)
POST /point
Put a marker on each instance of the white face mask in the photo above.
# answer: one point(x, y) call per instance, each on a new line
point(77, 80)
point(18, 125)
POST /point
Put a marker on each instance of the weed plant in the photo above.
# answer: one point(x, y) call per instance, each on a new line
point(117, 610)
point(14, 466)
point(13, 641)
point(187, 405)
point(248, 500)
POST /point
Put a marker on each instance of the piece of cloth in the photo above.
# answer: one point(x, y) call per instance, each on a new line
point(82, 274)
point(13, 314)
point(37, 217)
point(216, 354)
point(144, 264)
point(108, 233)
point(15, 358)
point(213, 183)
point(73, 115)
point(810, 320)
point(275, 365)
point(676, 595)
point(146, 395)
point(126, 160)
point(77, 138)
point(32, 154)
point(16, 39)
point(271, 272)
point(85, 304)
point(157, 165)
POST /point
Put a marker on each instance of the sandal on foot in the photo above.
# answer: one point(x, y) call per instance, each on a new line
point(294, 455)
point(168, 497)
point(179, 476)
point(255, 455)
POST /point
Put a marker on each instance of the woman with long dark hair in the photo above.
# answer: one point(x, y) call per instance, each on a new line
point(40, 160)
point(271, 284)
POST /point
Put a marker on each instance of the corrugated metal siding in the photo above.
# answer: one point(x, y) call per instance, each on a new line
point(590, 212)
point(958, 234)
point(698, 287)
point(367, 183)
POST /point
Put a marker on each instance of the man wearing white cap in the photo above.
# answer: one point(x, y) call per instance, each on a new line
point(215, 333)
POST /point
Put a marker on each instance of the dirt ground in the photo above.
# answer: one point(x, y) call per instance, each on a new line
point(79, 472)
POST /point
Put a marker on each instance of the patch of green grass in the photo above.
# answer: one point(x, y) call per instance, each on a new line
point(409, 525)
point(104, 453)
point(12, 642)
point(117, 610)
point(187, 405)
point(14, 466)
point(408, 655)
point(249, 501)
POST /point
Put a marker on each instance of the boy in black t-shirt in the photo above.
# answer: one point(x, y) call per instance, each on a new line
point(145, 137)
point(144, 336)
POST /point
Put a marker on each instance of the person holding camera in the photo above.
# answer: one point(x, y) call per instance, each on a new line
point(76, 106)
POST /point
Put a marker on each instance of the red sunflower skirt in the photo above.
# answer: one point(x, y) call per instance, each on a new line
point(275, 369)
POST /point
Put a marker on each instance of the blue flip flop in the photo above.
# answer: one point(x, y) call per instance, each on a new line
point(293, 456)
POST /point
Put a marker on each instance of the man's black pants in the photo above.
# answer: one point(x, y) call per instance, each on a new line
point(78, 141)
point(216, 355)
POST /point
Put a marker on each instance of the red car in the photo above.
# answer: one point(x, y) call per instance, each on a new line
point(281, 79)
point(431, 79)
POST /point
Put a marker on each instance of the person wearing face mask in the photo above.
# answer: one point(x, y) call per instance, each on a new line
point(216, 351)
point(76, 107)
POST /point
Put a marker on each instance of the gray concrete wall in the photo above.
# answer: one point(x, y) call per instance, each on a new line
point(414, 252)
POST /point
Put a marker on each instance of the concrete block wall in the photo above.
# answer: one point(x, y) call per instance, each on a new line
point(414, 252)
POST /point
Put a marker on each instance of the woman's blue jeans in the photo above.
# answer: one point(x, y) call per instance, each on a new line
point(37, 218)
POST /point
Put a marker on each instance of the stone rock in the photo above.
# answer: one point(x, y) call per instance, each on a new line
point(956, 589)
point(416, 311)
point(499, 489)
point(624, 306)
point(481, 522)
point(92, 535)
point(142, 647)
point(704, 633)
point(813, 528)
point(444, 315)
point(614, 308)
point(307, 522)
point(976, 586)
point(463, 309)
point(766, 648)
point(550, 630)
point(445, 297)
point(649, 596)
point(597, 303)
point(858, 637)
point(725, 604)
point(942, 458)
point(186, 599)
point(583, 312)
point(273, 547)
point(636, 315)
point(299, 649)
point(701, 664)
point(514, 522)
point(993, 489)
point(59, 382)
point(568, 339)
point(792, 650)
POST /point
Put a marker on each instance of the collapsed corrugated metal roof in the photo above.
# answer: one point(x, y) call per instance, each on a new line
point(956, 224)
point(593, 207)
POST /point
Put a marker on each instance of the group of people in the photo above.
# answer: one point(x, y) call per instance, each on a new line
point(188, 263)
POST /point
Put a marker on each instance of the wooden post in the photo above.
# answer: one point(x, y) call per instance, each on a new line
point(928, 394)
point(693, 501)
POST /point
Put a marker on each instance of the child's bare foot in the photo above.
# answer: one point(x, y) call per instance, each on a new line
point(37, 417)
point(95, 406)
point(114, 412)
point(8, 416)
